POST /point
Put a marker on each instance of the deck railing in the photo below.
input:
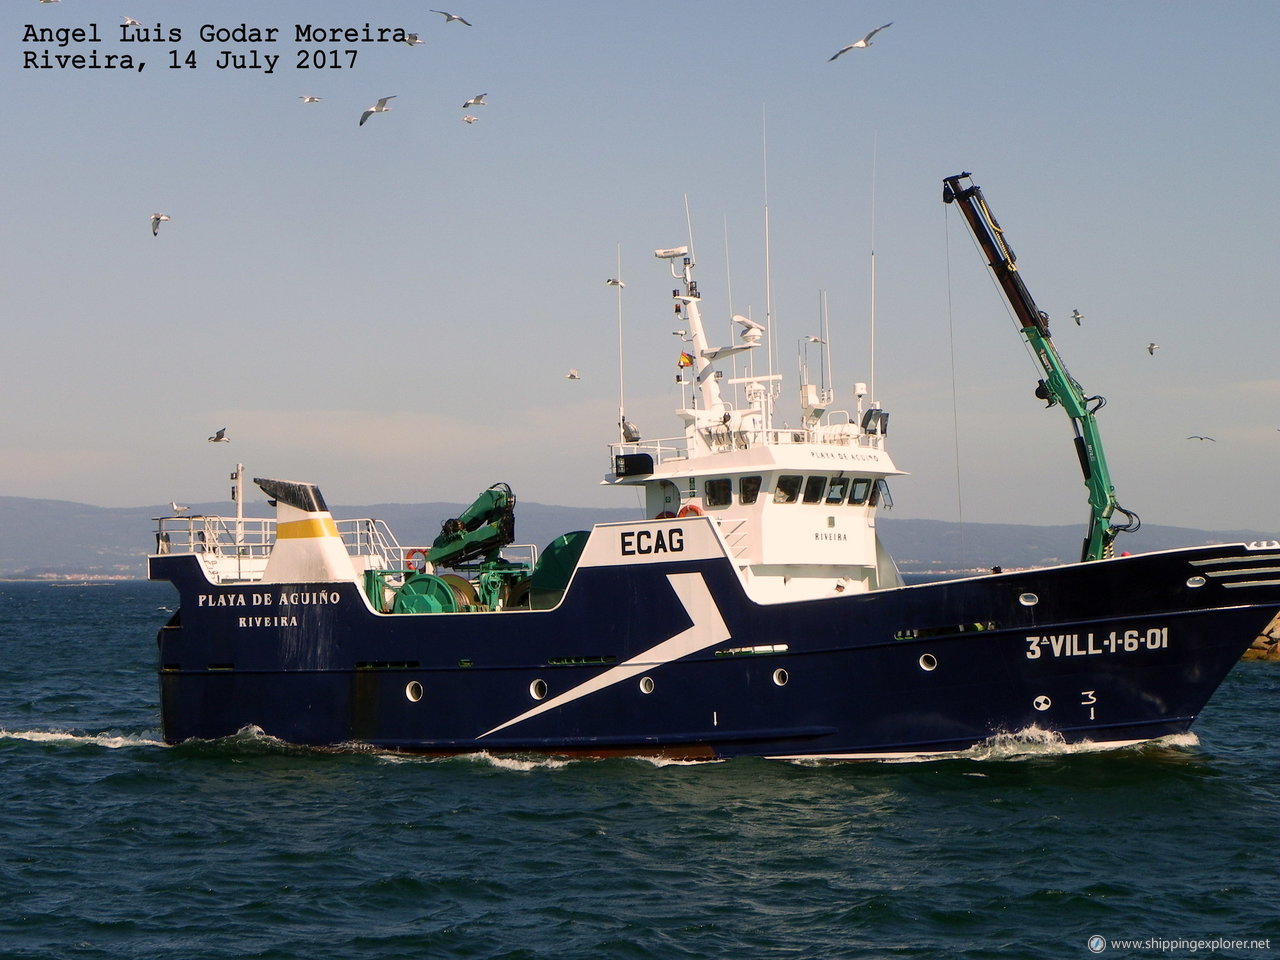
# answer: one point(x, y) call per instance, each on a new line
point(238, 548)
point(720, 439)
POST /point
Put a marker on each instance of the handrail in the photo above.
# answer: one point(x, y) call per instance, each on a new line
point(720, 438)
point(238, 548)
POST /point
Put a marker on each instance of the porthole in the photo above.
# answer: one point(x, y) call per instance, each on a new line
point(928, 662)
point(1028, 599)
point(780, 677)
point(646, 684)
point(413, 691)
point(538, 689)
point(1195, 582)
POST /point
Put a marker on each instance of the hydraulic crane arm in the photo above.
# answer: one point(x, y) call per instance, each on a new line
point(482, 530)
point(1057, 387)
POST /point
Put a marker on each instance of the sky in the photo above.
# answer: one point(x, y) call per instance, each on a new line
point(389, 310)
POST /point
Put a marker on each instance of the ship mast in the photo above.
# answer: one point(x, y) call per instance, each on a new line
point(710, 408)
point(1057, 387)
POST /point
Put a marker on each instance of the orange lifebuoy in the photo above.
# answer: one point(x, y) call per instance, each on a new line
point(409, 554)
point(690, 510)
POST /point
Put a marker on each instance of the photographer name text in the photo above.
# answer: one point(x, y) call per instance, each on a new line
point(240, 46)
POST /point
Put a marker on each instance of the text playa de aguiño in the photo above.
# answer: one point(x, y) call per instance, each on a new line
point(60, 48)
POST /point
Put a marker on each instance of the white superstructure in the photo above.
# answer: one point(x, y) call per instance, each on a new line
point(796, 506)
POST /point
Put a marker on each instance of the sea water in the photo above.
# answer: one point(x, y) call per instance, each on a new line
point(117, 846)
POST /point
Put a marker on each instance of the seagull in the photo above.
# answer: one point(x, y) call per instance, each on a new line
point(864, 42)
point(311, 99)
point(412, 39)
point(615, 283)
point(1077, 316)
point(50, 1)
point(469, 119)
point(572, 375)
point(451, 17)
point(1198, 437)
point(220, 437)
point(130, 22)
point(156, 220)
point(476, 102)
point(814, 339)
point(1152, 348)
point(178, 508)
point(379, 107)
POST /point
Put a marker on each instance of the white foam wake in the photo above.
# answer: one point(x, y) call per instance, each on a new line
point(1033, 743)
point(112, 741)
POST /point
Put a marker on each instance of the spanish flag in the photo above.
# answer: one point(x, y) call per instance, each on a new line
point(686, 360)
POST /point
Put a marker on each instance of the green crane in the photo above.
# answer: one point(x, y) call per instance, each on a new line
point(1058, 386)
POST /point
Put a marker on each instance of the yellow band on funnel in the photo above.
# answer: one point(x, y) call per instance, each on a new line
point(304, 529)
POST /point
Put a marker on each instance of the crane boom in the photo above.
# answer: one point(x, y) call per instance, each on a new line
point(1057, 387)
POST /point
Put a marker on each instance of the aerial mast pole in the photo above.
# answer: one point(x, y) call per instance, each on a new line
point(1057, 387)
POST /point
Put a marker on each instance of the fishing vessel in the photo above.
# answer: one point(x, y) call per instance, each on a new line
point(750, 610)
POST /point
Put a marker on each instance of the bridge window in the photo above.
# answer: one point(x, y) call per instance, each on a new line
point(836, 492)
point(859, 492)
point(788, 490)
point(880, 495)
point(749, 489)
point(814, 488)
point(718, 493)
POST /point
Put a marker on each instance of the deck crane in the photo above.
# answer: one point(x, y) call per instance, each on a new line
point(1058, 386)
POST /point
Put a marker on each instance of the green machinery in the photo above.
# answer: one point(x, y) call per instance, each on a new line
point(472, 543)
point(1057, 387)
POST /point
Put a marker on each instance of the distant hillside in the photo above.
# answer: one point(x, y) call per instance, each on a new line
point(44, 537)
point(41, 537)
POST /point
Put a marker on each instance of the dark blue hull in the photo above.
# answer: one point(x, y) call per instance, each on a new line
point(674, 659)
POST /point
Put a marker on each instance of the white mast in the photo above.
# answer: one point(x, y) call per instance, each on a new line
point(771, 392)
point(237, 494)
point(874, 150)
point(617, 284)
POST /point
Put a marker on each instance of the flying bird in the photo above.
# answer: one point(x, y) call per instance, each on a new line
point(572, 375)
point(864, 42)
point(1152, 348)
point(615, 283)
point(1077, 316)
point(130, 22)
point(476, 102)
point(412, 39)
point(220, 437)
point(379, 107)
point(156, 220)
point(311, 99)
point(469, 119)
point(50, 1)
point(451, 17)
point(1198, 437)
point(178, 508)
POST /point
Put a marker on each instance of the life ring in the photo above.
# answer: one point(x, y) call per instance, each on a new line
point(665, 515)
point(409, 554)
point(690, 510)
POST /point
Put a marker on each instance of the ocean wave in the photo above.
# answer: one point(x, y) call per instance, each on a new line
point(110, 740)
point(1031, 743)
